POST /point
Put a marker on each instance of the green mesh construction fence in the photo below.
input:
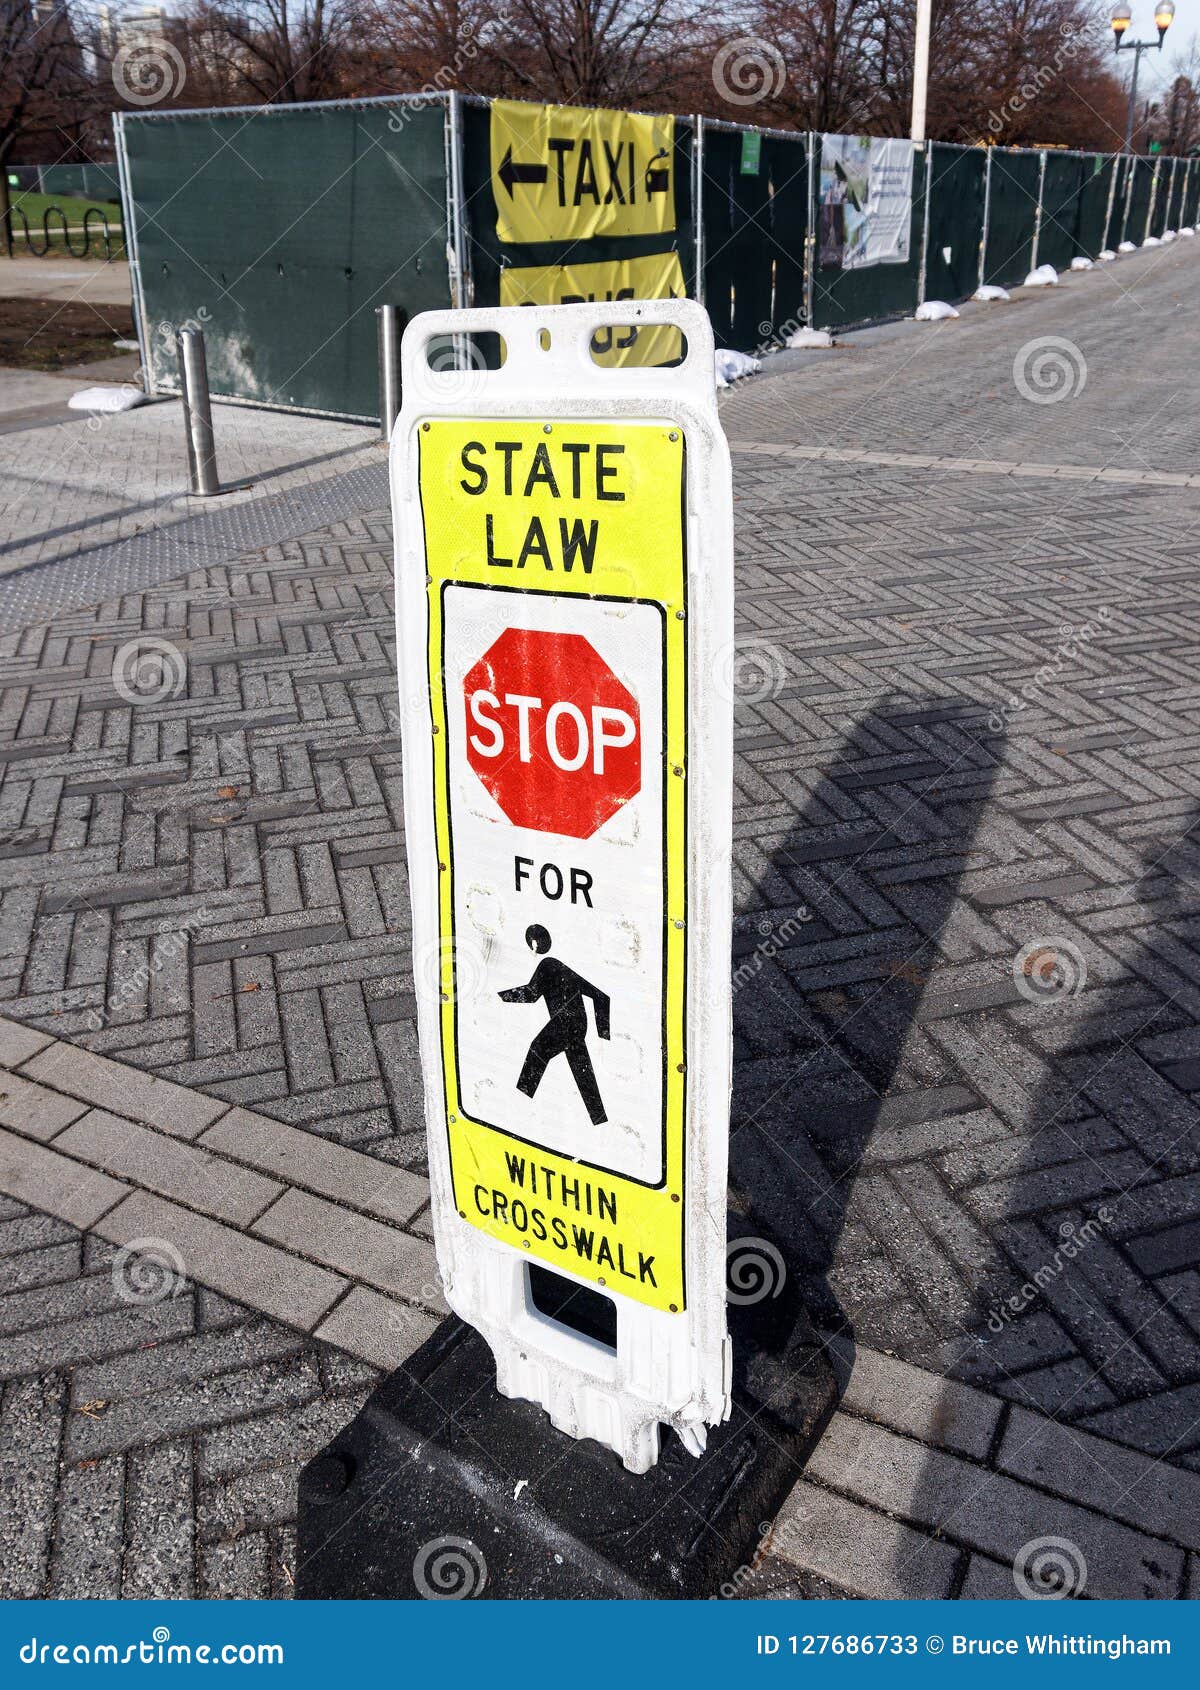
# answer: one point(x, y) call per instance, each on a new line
point(755, 211)
point(80, 181)
point(1012, 216)
point(1137, 202)
point(279, 230)
point(956, 204)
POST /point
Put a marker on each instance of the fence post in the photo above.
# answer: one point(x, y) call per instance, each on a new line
point(1037, 216)
point(987, 215)
point(1130, 173)
point(197, 413)
point(1153, 202)
point(1112, 194)
point(810, 235)
point(460, 285)
point(922, 269)
point(391, 320)
point(698, 202)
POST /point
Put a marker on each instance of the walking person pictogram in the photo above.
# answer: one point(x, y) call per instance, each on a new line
point(565, 1034)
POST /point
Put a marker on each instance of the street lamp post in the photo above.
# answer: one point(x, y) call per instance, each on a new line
point(920, 68)
point(1164, 11)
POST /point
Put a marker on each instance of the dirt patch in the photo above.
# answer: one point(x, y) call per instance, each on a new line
point(50, 334)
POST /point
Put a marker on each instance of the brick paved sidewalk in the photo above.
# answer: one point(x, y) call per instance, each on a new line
point(968, 1028)
point(153, 1431)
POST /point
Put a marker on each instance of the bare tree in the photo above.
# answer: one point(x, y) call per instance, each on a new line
point(275, 51)
point(44, 90)
point(591, 52)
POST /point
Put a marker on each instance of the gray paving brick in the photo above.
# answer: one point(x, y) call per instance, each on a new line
point(33, 1110)
point(186, 1172)
point(160, 1523)
point(18, 1043)
point(379, 1329)
point(86, 1563)
point(115, 1086)
point(1122, 1483)
point(986, 1511)
point(333, 1171)
point(48, 1181)
point(859, 1549)
point(191, 1407)
point(358, 1247)
point(236, 1570)
point(31, 1416)
point(921, 1405)
point(241, 1267)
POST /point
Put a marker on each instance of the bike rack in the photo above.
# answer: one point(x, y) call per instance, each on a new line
point(91, 216)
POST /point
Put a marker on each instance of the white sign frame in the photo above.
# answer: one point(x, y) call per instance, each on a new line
point(672, 1369)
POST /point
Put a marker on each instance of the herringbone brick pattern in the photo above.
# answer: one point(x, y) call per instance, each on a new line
point(966, 735)
point(149, 1448)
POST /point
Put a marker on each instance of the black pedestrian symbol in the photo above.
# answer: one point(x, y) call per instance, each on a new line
point(565, 1034)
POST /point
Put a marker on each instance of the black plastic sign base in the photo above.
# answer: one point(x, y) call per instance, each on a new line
point(443, 1488)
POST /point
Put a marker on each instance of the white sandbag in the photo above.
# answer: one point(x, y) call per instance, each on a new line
point(804, 338)
point(732, 366)
point(123, 398)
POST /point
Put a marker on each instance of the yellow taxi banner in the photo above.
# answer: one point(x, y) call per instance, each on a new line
point(656, 276)
point(561, 173)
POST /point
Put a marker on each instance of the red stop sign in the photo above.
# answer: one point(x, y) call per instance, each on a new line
point(551, 732)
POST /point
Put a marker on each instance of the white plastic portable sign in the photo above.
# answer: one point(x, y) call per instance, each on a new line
point(564, 589)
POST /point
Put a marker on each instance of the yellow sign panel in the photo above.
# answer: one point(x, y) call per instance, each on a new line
point(557, 675)
point(659, 276)
point(560, 173)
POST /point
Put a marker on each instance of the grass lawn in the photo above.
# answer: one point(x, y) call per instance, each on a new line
point(35, 205)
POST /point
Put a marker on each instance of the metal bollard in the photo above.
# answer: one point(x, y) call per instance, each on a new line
point(197, 413)
point(391, 326)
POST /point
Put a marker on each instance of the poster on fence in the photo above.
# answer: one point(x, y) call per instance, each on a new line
point(865, 209)
point(562, 173)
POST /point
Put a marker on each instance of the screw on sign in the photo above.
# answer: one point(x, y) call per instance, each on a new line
point(553, 734)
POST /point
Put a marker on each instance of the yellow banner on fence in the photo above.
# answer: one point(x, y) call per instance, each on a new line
point(562, 174)
point(659, 276)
